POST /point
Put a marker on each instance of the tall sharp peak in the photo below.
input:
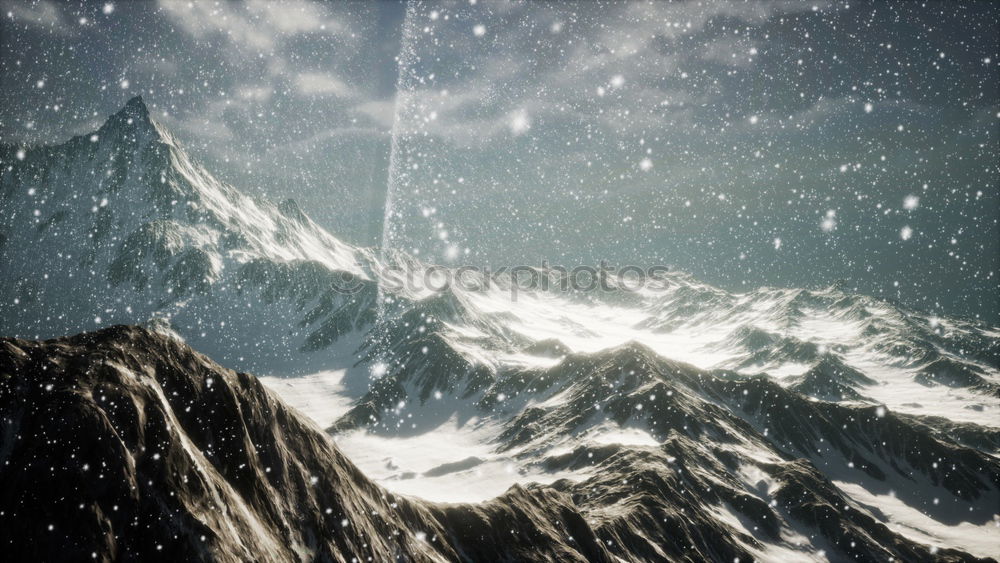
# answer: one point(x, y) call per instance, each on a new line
point(135, 108)
point(134, 116)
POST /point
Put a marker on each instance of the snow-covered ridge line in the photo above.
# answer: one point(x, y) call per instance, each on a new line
point(121, 225)
point(171, 455)
point(825, 343)
point(737, 400)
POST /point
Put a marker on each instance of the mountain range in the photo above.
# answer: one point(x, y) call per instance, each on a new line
point(677, 421)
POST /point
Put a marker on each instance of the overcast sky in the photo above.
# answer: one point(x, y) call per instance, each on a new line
point(764, 143)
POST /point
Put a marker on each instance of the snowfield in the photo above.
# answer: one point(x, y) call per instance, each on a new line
point(788, 422)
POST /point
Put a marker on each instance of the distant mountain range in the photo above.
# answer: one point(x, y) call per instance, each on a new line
point(674, 422)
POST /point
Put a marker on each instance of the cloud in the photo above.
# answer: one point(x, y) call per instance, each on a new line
point(208, 125)
point(621, 69)
point(728, 51)
point(202, 19)
point(321, 84)
point(382, 112)
point(255, 92)
point(259, 24)
point(292, 16)
point(676, 19)
point(42, 15)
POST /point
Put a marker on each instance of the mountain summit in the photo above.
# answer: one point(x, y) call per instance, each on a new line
point(131, 126)
point(121, 225)
point(675, 422)
point(134, 113)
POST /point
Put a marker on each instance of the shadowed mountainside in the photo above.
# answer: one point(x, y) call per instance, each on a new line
point(126, 444)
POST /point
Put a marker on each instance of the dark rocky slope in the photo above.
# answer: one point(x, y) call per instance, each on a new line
point(125, 444)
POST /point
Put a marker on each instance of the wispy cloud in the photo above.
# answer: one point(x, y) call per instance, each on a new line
point(382, 112)
point(321, 84)
point(294, 16)
point(259, 24)
point(202, 19)
point(42, 15)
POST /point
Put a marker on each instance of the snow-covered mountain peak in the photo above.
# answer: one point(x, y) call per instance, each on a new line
point(134, 115)
point(123, 225)
point(765, 402)
point(132, 128)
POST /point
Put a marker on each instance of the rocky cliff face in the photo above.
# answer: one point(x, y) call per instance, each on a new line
point(675, 422)
point(125, 444)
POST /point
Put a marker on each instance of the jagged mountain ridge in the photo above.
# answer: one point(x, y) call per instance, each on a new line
point(825, 344)
point(553, 419)
point(128, 229)
point(547, 409)
point(122, 226)
point(152, 450)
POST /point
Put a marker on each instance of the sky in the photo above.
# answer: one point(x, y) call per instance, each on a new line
point(768, 143)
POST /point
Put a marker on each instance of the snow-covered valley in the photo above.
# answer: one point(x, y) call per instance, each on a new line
point(806, 423)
